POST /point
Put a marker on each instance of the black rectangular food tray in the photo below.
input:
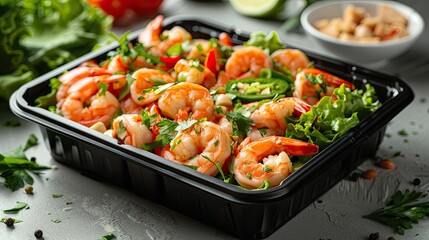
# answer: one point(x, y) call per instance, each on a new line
point(242, 213)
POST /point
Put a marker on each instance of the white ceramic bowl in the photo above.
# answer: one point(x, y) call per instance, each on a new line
point(361, 53)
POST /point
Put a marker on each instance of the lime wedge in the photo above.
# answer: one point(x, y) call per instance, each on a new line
point(258, 8)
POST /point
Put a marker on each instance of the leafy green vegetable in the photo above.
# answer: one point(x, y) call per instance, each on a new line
point(271, 42)
point(18, 207)
point(15, 168)
point(329, 120)
point(39, 35)
point(400, 213)
point(49, 100)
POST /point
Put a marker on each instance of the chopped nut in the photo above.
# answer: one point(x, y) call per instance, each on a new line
point(322, 23)
point(224, 100)
point(99, 127)
point(362, 31)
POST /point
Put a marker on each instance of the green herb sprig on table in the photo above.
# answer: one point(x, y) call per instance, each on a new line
point(402, 211)
point(15, 168)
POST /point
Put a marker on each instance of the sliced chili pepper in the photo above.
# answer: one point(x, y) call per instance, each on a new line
point(270, 73)
point(170, 61)
point(210, 61)
point(253, 89)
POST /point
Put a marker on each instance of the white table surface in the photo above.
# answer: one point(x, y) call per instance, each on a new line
point(100, 208)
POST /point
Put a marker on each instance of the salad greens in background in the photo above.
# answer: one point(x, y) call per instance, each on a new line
point(37, 36)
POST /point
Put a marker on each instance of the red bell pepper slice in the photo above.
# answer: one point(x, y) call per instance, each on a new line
point(210, 61)
point(170, 61)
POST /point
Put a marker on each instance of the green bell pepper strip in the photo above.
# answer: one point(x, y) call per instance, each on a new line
point(254, 86)
point(270, 73)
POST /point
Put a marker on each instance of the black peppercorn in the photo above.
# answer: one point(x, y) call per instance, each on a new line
point(9, 222)
point(38, 233)
point(33, 159)
point(391, 238)
point(374, 236)
point(416, 181)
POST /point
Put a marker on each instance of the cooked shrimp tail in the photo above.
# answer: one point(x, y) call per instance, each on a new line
point(267, 159)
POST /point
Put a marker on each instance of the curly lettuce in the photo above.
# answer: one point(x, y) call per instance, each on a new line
point(329, 120)
point(40, 35)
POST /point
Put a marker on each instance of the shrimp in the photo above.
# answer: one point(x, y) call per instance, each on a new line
point(312, 84)
point(73, 76)
point(129, 129)
point(247, 61)
point(129, 106)
point(271, 115)
point(291, 59)
point(150, 37)
point(268, 159)
point(146, 78)
point(222, 79)
point(204, 145)
point(193, 72)
point(200, 48)
point(102, 108)
point(121, 64)
point(181, 99)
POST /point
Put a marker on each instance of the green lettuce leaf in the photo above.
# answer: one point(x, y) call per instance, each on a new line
point(41, 35)
point(329, 120)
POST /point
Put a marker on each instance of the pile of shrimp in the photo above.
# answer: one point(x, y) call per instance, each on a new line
point(135, 98)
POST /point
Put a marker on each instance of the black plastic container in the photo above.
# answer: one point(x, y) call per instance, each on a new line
point(242, 213)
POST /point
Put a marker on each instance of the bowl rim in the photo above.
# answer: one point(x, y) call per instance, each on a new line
point(310, 29)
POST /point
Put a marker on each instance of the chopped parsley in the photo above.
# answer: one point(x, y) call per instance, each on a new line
point(402, 211)
point(103, 88)
point(15, 168)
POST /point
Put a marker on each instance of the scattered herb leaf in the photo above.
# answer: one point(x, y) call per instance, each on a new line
point(3, 220)
point(12, 123)
point(56, 220)
point(57, 195)
point(18, 207)
point(401, 212)
point(108, 237)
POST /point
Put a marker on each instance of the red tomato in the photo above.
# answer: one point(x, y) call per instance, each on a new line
point(142, 7)
point(115, 8)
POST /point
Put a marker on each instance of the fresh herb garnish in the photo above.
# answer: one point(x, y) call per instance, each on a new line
point(184, 125)
point(18, 207)
point(3, 220)
point(267, 169)
point(401, 212)
point(241, 123)
point(217, 164)
point(57, 195)
point(265, 185)
point(15, 168)
point(56, 220)
point(148, 120)
point(196, 64)
point(121, 131)
point(126, 90)
point(12, 123)
point(402, 133)
point(103, 88)
point(108, 237)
